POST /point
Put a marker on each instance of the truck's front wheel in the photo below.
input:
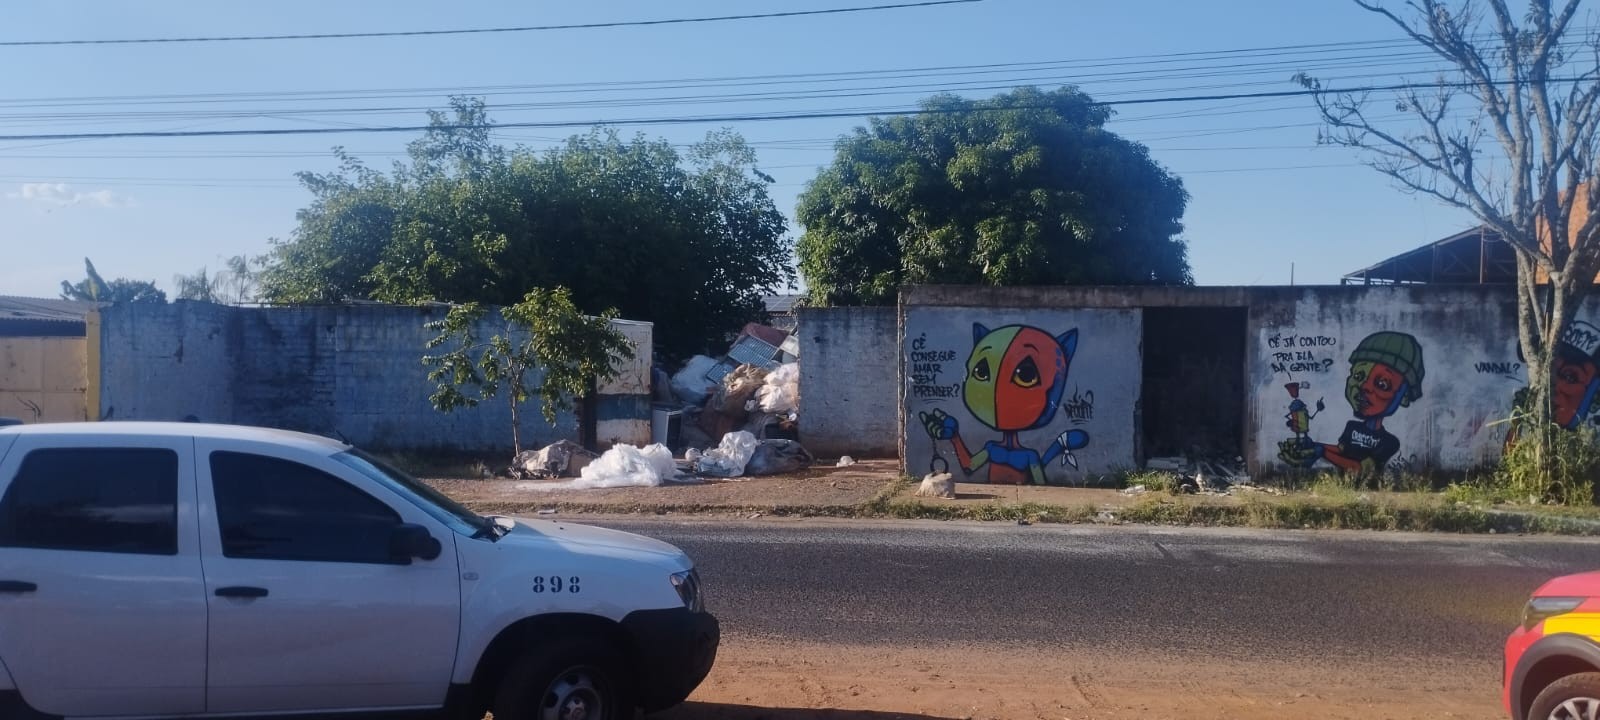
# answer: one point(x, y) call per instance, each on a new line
point(568, 679)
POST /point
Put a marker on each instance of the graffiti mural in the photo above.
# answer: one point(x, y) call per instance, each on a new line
point(1386, 374)
point(1575, 378)
point(1015, 380)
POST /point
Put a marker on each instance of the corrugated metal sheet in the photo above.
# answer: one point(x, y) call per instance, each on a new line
point(44, 309)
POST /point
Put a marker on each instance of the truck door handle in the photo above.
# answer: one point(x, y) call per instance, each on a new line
point(241, 591)
point(17, 586)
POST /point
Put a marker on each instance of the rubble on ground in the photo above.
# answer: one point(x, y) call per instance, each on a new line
point(754, 387)
point(778, 456)
point(562, 458)
point(731, 416)
point(1212, 475)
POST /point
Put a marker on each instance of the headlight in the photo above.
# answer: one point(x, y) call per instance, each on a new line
point(1540, 609)
point(688, 586)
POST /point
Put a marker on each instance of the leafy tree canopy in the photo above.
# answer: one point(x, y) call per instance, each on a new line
point(689, 241)
point(1026, 188)
point(94, 288)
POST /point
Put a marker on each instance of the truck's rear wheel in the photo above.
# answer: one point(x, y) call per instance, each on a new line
point(569, 679)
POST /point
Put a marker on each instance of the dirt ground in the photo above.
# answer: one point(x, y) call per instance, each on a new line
point(828, 490)
point(766, 680)
point(968, 494)
point(818, 487)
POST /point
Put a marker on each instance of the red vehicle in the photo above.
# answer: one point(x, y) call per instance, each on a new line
point(1552, 661)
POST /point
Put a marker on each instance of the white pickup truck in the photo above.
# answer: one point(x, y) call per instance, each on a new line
point(188, 570)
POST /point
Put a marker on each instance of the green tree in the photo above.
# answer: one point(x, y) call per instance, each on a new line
point(545, 332)
point(202, 286)
point(1026, 188)
point(93, 288)
point(689, 241)
point(236, 283)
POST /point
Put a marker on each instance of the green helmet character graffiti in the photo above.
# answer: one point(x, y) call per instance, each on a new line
point(1386, 374)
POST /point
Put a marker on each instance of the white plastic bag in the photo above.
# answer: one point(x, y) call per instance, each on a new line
point(781, 393)
point(728, 458)
point(690, 384)
point(621, 466)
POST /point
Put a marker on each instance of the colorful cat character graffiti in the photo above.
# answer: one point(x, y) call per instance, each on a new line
point(1386, 374)
point(1015, 378)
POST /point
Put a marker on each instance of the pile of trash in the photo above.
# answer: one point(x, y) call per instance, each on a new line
point(755, 388)
point(621, 466)
point(731, 417)
point(740, 454)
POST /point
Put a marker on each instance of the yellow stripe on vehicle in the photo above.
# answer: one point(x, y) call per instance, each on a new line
point(1578, 623)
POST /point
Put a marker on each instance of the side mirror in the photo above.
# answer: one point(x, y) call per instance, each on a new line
point(413, 541)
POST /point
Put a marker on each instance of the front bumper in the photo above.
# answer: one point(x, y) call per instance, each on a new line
point(673, 651)
point(1517, 645)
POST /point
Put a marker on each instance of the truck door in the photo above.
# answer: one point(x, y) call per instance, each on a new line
point(102, 605)
point(309, 610)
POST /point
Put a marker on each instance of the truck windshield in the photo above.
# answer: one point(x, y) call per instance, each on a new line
point(433, 502)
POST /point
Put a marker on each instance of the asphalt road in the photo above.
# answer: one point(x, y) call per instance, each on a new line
point(1256, 595)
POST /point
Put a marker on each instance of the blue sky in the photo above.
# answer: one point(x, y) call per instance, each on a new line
point(151, 208)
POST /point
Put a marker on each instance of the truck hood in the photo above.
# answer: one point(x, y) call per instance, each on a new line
point(1579, 585)
point(599, 541)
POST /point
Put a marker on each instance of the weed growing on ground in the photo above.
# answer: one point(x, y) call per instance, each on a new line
point(438, 465)
point(1557, 465)
point(1333, 487)
point(1152, 480)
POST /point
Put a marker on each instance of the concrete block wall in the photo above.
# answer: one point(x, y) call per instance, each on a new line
point(849, 381)
point(1413, 378)
point(350, 371)
point(1016, 395)
point(166, 362)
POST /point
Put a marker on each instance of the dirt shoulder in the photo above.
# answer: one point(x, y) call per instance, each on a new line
point(776, 680)
point(875, 488)
point(829, 491)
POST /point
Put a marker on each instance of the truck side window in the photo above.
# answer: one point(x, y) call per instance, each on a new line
point(274, 509)
point(114, 500)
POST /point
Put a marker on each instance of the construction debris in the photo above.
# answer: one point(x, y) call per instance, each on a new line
point(775, 457)
point(562, 458)
point(1209, 476)
point(691, 385)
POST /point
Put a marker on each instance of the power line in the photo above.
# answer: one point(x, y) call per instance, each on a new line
point(723, 118)
point(781, 78)
point(484, 31)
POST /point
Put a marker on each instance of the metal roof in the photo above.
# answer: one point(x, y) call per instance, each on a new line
point(780, 304)
point(1475, 256)
point(44, 309)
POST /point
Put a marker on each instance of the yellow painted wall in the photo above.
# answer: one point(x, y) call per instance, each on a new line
point(44, 379)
